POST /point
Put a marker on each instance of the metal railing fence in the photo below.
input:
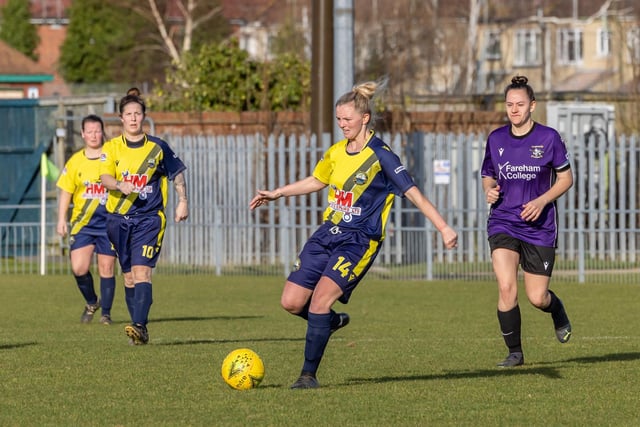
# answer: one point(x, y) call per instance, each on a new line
point(598, 216)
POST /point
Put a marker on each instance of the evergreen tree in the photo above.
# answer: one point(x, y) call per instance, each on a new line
point(222, 77)
point(105, 43)
point(16, 28)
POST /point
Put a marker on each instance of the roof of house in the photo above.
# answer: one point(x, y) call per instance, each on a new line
point(47, 9)
point(15, 67)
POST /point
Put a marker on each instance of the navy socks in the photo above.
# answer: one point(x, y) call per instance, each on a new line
point(318, 333)
point(143, 299)
point(304, 313)
point(107, 293)
point(129, 298)
point(85, 284)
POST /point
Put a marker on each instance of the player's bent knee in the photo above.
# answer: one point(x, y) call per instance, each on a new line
point(290, 306)
point(294, 298)
point(539, 302)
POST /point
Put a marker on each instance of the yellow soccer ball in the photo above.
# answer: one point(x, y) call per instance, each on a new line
point(242, 369)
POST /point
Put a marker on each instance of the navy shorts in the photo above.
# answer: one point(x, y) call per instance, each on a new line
point(100, 241)
point(137, 238)
point(342, 255)
point(533, 259)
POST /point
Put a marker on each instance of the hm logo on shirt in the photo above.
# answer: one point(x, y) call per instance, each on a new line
point(138, 181)
point(94, 190)
point(344, 203)
point(344, 198)
point(139, 184)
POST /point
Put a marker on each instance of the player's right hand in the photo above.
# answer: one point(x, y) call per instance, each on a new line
point(61, 228)
point(493, 194)
point(263, 197)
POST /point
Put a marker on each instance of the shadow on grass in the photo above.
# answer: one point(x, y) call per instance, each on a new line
point(484, 373)
point(611, 357)
point(226, 341)
point(549, 372)
point(19, 345)
point(186, 319)
point(200, 318)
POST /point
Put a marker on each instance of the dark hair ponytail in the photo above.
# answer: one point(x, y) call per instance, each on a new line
point(520, 82)
point(133, 95)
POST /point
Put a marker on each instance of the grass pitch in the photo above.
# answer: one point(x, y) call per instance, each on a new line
point(414, 354)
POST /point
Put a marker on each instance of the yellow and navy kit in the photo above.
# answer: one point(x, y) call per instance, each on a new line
point(362, 186)
point(147, 164)
point(81, 178)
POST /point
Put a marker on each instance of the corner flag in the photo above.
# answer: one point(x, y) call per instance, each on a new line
point(48, 169)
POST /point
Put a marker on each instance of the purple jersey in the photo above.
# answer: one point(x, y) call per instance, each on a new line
point(524, 167)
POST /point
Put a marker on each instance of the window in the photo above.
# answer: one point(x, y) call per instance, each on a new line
point(492, 45)
point(492, 81)
point(528, 48)
point(633, 45)
point(33, 92)
point(569, 46)
point(603, 47)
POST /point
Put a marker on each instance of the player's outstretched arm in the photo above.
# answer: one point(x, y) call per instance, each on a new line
point(449, 236)
point(307, 185)
point(182, 209)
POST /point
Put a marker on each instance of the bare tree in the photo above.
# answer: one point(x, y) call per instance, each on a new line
point(426, 47)
point(176, 22)
point(472, 43)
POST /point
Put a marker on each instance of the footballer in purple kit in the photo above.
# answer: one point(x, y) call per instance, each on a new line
point(525, 170)
point(135, 168)
point(363, 177)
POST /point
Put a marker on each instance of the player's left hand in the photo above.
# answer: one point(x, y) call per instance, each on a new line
point(182, 211)
point(126, 187)
point(450, 237)
point(531, 211)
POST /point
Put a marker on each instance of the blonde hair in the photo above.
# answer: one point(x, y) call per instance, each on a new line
point(362, 95)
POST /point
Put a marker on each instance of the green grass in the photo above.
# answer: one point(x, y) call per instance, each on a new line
point(415, 354)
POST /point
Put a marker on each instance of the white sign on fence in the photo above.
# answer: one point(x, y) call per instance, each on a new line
point(442, 171)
